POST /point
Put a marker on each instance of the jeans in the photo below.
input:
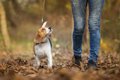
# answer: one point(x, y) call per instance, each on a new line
point(79, 16)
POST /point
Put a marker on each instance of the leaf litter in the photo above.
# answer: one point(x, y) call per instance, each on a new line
point(18, 68)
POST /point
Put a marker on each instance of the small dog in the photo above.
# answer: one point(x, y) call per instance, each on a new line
point(42, 45)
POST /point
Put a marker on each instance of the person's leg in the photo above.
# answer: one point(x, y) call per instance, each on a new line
point(79, 12)
point(95, 7)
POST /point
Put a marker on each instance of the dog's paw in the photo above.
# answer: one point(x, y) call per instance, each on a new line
point(49, 66)
point(35, 65)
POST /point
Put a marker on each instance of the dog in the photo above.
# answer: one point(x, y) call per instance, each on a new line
point(42, 45)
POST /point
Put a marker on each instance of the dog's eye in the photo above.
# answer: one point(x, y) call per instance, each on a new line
point(43, 29)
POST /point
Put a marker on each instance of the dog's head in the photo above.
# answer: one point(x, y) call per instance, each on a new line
point(43, 33)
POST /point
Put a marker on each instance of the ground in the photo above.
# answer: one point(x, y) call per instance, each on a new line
point(20, 68)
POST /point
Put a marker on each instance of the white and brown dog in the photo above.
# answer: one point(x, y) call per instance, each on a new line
point(42, 45)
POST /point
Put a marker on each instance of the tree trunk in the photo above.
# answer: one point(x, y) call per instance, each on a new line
point(4, 28)
point(16, 14)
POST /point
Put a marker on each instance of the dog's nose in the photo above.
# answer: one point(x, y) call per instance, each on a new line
point(50, 28)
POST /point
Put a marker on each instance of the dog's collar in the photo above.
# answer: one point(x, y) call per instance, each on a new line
point(42, 42)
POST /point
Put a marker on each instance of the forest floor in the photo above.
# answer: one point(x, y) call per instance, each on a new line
point(20, 68)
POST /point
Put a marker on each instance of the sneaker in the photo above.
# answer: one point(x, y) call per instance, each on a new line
point(92, 65)
point(77, 60)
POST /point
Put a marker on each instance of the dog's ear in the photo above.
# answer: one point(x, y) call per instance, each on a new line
point(44, 24)
point(38, 38)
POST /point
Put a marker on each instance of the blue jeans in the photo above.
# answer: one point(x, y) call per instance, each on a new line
point(79, 15)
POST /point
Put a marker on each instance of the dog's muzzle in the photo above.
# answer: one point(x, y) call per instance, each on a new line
point(50, 28)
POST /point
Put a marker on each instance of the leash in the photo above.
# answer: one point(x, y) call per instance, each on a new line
point(44, 11)
point(44, 18)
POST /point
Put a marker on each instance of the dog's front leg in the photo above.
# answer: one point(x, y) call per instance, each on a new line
point(37, 62)
point(49, 56)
